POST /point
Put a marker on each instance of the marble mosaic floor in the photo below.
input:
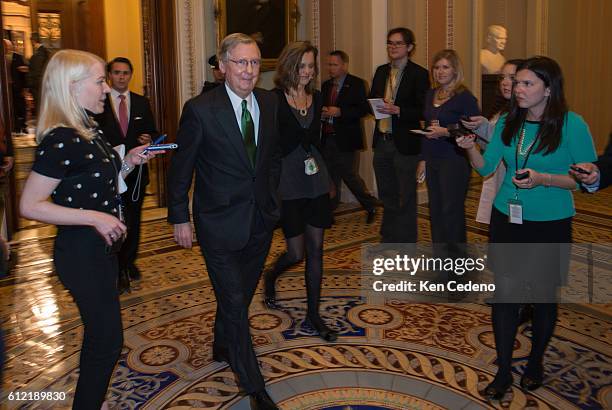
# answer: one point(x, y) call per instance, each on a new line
point(390, 354)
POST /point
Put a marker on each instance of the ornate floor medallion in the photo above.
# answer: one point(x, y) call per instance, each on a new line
point(389, 355)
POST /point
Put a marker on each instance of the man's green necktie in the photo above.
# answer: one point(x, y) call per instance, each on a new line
point(248, 132)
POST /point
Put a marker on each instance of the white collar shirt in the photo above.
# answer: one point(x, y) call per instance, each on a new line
point(252, 106)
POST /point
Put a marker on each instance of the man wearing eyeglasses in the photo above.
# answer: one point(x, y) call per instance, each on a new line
point(229, 136)
point(402, 84)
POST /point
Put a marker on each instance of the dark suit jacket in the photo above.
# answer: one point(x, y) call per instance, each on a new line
point(228, 190)
point(353, 104)
point(209, 86)
point(18, 78)
point(38, 62)
point(410, 98)
point(604, 163)
point(141, 122)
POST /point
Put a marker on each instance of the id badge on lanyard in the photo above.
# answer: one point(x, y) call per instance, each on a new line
point(310, 165)
point(515, 211)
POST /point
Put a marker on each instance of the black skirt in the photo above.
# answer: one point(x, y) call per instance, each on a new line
point(297, 213)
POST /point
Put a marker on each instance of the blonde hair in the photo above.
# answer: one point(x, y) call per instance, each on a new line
point(59, 106)
point(457, 85)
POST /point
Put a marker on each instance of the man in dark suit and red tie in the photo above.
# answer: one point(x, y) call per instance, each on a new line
point(345, 103)
point(402, 84)
point(127, 119)
point(229, 136)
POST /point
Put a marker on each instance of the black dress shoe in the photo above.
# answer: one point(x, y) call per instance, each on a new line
point(262, 401)
point(371, 216)
point(123, 282)
point(269, 292)
point(220, 354)
point(497, 389)
point(324, 332)
point(134, 273)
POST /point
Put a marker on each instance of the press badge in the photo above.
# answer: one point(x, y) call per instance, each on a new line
point(310, 166)
point(515, 211)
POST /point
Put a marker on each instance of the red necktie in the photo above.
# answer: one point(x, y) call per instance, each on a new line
point(333, 94)
point(123, 115)
point(328, 127)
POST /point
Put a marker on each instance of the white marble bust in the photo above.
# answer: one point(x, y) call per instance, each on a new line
point(491, 58)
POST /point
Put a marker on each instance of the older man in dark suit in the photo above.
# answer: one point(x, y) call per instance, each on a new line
point(345, 103)
point(229, 136)
point(127, 119)
point(402, 84)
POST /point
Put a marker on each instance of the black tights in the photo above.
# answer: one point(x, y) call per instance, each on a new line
point(505, 318)
point(310, 241)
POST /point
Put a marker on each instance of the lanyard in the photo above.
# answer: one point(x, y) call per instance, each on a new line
point(518, 152)
point(520, 145)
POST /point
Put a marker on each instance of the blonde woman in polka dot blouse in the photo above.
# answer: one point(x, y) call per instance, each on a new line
point(78, 170)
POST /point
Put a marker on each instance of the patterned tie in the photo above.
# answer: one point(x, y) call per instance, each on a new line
point(123, 115)
point(386, 124)
point(328, 127)
point(248, 132)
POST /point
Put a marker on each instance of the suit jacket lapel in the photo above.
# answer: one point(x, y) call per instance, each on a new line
point(405, 78)
point(132, 114)
point(113, 115)
point(227, 119)
point(345, 85)
point(265, 121)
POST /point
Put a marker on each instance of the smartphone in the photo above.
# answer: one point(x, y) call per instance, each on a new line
point(465, 118)
point(159, 139)
point(522, 176)
point(580, 170)
point(161, 147)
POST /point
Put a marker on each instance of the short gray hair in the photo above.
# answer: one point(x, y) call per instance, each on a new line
point(230, 42)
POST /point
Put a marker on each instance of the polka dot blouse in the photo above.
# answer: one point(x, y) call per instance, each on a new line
point(84, 168)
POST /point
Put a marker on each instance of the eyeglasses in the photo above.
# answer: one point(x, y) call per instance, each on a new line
point(396, 43)
point(243, 63)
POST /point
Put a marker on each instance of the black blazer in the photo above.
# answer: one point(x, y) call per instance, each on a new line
point(353, 104)
point(410, 98)
point(228, 190)
point(141, 122)
point(604, 163)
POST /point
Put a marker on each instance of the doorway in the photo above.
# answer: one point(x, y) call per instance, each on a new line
point(139, 30)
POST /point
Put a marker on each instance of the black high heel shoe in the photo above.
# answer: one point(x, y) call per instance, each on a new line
point(269, 291)
point(496, 390)
point(532, 379)
point(324, 332)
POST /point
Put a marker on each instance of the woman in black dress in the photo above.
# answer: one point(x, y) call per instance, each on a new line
point(79, 171)
point(305, 183)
